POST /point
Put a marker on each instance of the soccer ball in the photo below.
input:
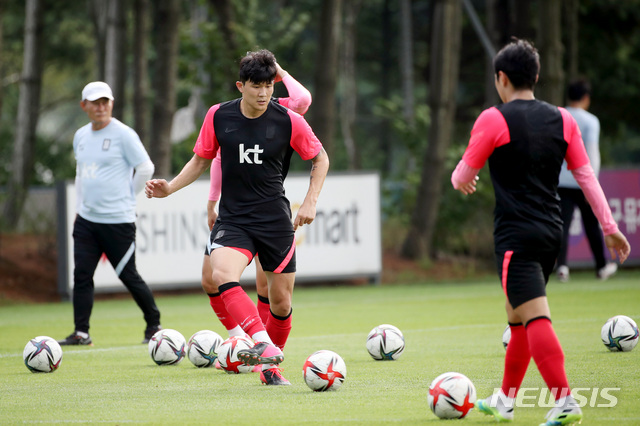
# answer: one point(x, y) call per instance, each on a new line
point(385, 342)
point(620, 334)
point(228, 354)
point(202, 348)
point(324, 371)
point(506, 337)
point(451, 396)
point(42, 354)
point(167, 347)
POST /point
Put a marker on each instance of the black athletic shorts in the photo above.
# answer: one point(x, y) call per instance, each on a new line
point(524, 276)
point(275, 244)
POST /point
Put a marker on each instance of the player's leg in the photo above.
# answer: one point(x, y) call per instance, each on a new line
point(211, 289)
point(567, 206)
point(118, 241)
point(280, 295)
point(86, 255)
point(262, 288)
point(533, 309)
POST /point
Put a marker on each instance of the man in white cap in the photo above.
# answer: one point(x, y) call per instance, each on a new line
point(112, 167)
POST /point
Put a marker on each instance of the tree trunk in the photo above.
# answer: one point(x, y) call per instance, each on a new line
point(98, 12)
point(406, 61)
point(495, 36)
point(164, 83)
point(324, 107)
point(550, 87)
point(349, 88)
point(572, 8)
point(444, 64)
point(116, 54)
point(386, 71)
point(2, 7)
point(28, 112)
point(140, 68)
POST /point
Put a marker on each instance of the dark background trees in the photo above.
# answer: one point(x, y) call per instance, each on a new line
point(382, 73)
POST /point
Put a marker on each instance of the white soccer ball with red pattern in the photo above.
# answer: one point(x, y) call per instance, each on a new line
point(167, 347)
point(324, 371)
point(228, 354)
point(620, 334)
point(385, 343)
point(202, 348)
point(506, 337)
point(42, 354)
point(451, 396)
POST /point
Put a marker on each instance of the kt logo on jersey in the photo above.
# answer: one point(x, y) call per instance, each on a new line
point(245, 154)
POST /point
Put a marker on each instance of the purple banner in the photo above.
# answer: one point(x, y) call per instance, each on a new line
point(622, 189)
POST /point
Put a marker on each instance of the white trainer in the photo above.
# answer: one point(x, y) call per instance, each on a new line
point(497, 405)
point(563, 273)
point(608, 270)
point(566, 412)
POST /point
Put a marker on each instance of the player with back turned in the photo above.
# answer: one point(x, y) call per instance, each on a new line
point(525, 141)
point(256, 138)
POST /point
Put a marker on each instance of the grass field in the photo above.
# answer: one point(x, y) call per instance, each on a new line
point(447, 327)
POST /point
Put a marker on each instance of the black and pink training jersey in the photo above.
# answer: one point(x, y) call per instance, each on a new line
point(255, 156)
point(525, 142)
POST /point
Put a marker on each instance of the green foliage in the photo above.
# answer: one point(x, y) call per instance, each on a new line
point(452, 326)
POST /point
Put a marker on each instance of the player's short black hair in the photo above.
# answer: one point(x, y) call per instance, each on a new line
point(520, 61)
point(258, 67)
point(578, 89)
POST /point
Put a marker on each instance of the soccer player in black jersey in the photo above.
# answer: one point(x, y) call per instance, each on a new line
point(525, 142)
point(256, 138)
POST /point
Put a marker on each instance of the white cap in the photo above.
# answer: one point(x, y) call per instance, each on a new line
point(96, 90)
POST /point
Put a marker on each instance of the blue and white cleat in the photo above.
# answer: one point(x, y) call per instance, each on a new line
point(494, 406)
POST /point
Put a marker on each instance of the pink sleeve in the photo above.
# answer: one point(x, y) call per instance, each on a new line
point(303, 140)
point(207, 143)
point(576, 155)
point(489, 132)
point(463, 174)
point(215, 185)
point(299, 97)
point(595, 196)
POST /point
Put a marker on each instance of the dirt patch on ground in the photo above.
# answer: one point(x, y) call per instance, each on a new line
point(28, 269)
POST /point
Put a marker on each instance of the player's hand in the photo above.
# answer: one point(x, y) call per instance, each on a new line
point(469, 187)
point(280, 73)
point(211, 213)
point(617, 244)
point(306, 215)
point(156, 188)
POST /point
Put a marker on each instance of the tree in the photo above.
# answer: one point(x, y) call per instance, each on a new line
point(28, 113)
point(140, 67)
point(444, 70)
point(326, 75)
point(550, 87)
point(116, 54)
point(98, 12)
point(406, 60)
point(349, 89)
point(164, 83)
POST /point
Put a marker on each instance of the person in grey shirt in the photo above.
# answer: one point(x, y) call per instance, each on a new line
point(579, 100)
point(112, 167)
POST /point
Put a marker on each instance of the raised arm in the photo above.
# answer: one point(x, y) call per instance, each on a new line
point(299, 98)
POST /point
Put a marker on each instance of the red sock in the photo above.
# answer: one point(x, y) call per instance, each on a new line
point(221, 311)
point(241, 307)
point(263, 308)
point(279, 328)
point(516, 360)
point(547, 353)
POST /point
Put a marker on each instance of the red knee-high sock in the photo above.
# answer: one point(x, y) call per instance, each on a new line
point(241, 307)
point(516, 360)
point(279, 328)
point(263, 308)
point(221, 311)
point(547, 353)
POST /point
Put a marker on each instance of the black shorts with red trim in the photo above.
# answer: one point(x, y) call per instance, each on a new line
point(275, 243)
point(524, 276)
